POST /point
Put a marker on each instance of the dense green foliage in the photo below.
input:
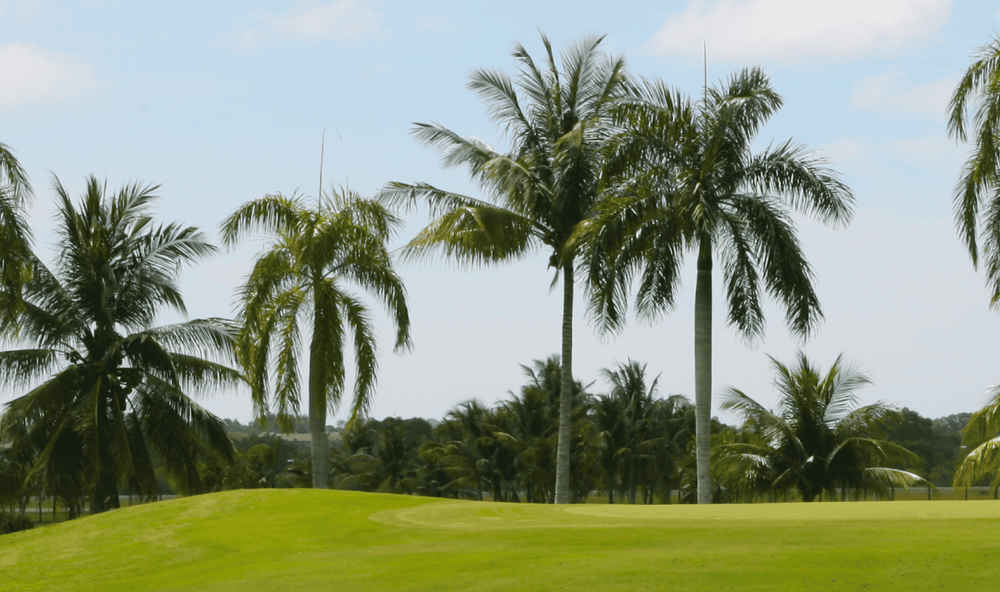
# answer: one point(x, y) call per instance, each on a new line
point(107, 393)
point(628, 443)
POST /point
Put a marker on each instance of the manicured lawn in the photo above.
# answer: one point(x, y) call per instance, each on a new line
point(332, 540)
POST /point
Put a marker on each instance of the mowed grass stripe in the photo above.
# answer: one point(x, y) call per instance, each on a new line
point(293, 539)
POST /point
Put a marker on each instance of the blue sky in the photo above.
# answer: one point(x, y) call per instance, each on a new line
point(222, 102)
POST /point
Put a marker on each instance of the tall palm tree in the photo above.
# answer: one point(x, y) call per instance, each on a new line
point(818, 439)
point(108, 393)
point(975, 111)
point(688, 180)
point(15, 236)
point(540, 191)
point(301, 278)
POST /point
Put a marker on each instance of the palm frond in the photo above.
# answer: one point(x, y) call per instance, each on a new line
point(982, 462)
point(273, 213)
point(984, 423)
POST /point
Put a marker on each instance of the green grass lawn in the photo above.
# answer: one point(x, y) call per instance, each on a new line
point(334, 540)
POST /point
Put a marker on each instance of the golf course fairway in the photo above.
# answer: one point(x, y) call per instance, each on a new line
point(302, 539)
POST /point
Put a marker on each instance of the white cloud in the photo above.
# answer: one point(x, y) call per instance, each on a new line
point(892, 94)
point(347, 22)
point(32, 75)
point(798, 29)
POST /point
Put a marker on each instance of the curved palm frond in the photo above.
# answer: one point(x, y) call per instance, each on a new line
point(977, 189)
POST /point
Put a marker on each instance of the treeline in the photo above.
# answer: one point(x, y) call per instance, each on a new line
point(629, 445)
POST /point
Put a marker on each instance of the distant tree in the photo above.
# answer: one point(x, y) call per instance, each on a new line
point(955, 422)
point(933, 441)
point(301, 279)
point(818, 439)
point(387, 465)
point(641, 440)
point(529, 424)
point(107, 392)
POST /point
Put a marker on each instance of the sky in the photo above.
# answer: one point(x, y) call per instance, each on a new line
point(223, 102)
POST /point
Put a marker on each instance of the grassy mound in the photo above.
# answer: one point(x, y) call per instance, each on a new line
point(326, 540)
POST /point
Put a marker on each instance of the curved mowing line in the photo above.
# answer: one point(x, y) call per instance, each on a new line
point(476, 516)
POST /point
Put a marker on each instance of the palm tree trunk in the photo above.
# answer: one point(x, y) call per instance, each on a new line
point(566, 391)
point(317, 414)
point(703, 370)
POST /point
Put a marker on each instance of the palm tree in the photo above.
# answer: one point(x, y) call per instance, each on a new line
point(980, 434)
point(530, 422)
point(689, 181)
point(389, 466)
point(467, 431)
point(15, 236)
point(641, 434)
point(977, 194)
point(300, 279)
point(107, 393)
point(623, 420)
point(817, 440)
point(541, 191)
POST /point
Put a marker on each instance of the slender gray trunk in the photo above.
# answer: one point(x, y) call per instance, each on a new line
point(317, 414)
point(703, 370)
point(566, 391)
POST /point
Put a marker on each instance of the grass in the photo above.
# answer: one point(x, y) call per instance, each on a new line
point(306, 539)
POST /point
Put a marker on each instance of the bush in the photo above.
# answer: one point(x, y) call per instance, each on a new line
point(12, 523)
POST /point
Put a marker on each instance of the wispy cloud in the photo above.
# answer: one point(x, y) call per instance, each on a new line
point(795, 30)
point(347, 22)
point(32, 75)
point(891, 94)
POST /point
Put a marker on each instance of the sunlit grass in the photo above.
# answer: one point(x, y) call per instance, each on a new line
point(307, 539)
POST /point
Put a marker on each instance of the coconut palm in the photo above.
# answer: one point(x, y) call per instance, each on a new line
point(642, 435)
point(389, 466)
point(540, 191)
point(15, 236)
point(980, 434)
point(975, 112)
point(817, 439)
point(106, 392)
point(301, 278)
point(688, 181)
